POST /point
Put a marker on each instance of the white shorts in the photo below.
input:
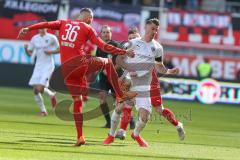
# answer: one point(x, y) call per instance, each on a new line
point(142, 102)
point(41, 76)
point(142, 86)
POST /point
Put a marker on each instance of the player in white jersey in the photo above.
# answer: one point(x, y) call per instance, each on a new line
point(41, 48)
point(148, 55)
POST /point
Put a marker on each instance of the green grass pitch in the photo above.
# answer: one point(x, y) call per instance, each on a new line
point(213, 132)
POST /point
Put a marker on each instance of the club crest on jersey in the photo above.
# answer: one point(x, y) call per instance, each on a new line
point(153, 49)
point(127, 45)
point(46, 40)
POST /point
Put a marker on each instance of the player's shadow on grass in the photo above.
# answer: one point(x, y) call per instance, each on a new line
point(44, 142)
point(65, 144)
point(10, 143)
point(47, 143)
point(53, 138)
point(97, 153)
point(31, 135)
point(37, 123)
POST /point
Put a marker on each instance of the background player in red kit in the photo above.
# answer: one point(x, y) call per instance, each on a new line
point(75, 64)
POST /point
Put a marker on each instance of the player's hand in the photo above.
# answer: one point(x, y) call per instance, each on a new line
point(130, 53)
point(25, 46)
point(22, 32)
point(174, 71)
point(104, 72)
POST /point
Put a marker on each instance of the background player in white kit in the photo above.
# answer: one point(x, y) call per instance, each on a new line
point(41, 47)
point(148, 54)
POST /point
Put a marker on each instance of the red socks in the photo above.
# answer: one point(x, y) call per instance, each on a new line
point(169, 116)
point(126, 118)
point(78, 117)
point(113, 78)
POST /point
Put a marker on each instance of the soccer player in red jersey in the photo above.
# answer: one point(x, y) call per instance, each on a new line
point(76, 64)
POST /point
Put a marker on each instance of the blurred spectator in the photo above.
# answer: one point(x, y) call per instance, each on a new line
point(181, 4)
point(192, 4)
point(118, 1)
point(110, 1)
point(214, 5)
point(153, 3)
point(132, 33)
point(169, 3)
point(168, 63)
point(204, 70)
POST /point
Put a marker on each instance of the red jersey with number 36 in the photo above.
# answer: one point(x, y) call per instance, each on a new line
point(73, 35)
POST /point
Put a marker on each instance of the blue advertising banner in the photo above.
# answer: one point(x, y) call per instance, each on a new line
point(207, 91)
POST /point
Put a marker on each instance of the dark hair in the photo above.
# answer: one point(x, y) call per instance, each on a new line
point(153, 21)
point(133, 30)
point(85, 10)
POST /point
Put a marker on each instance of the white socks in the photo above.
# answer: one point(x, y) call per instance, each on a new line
point(114, 123)
point(180, 125)
point(39, 101)
point(48, 92)
point(139, 127)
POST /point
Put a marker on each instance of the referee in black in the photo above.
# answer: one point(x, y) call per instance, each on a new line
point(104, 85)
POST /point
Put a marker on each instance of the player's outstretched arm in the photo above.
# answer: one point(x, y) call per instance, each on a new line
point(163, 70)
point(107, 47)
point(22, 33)
point(56, 51)
point(28, 52)
point(52, 25)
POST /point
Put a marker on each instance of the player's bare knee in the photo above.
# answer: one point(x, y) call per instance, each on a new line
point(36, 90)
point(159, 109)
point(144, 115)
point(41, 89)
point(126, 84)
point(118, 111)
point(144, 119)
point(119, 108)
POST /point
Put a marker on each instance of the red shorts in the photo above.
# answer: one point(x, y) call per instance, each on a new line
point(74, 73)
point(77, 69)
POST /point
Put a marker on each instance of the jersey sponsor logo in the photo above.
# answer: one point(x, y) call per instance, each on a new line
point(67, 44)
point(153, 49)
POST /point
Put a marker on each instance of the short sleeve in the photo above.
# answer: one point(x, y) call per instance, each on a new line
point(159, 51)
point(128, 44)
point(55, 42)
